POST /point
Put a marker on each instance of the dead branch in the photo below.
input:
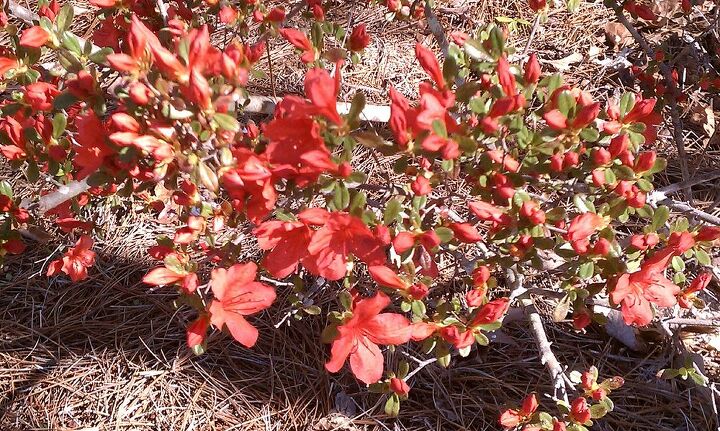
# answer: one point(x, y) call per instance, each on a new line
point(547, 357)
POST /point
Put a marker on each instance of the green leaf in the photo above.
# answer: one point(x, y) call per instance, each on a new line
point(698, 378)
point(72, 43)
point(661, 215)
point(702, 257)
point(358, 202)
point(450, 69)
point(391, 211)
point(100, 56)
point(226, 121)
point(566, 102)
point(64, 18)
point(392, 405)
point(445, 234)
point(356, 107)
point(438, 127)
point(6, 189)
point(597, 411)
point(586, 270)
point(58, 124)
point(589, 134)
point(312, 310)
point(627, 101)
point(678, 264)
point(572, 5)
point(659, 166)
point(32, 172)
point(418, 308)
point(371, 139)
point(610, 177)
point(669, 373)
point(481, 339)
point(341, 196)
point(561, 309)
point(403, 369)
point(64, 100)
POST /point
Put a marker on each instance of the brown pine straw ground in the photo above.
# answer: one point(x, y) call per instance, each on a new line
point(109, 353)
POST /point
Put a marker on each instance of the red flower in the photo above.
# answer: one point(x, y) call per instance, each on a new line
point(681, 242)
point(399, 386)
point(480, 275)
point(580, 411)
point(385, 276)
point(250, 185)
point(34, 37)
point(537, 5)
point(296, 150)
point(636, 291)
point(359, 38)
point(511, 418)
point(287, 242)
point(532, 70)
point(300, 41)
point(342, 235)
point(40, 96)
point(228, 15)
point(322, 91)
point(197, 331)
point(360, 335)
point(430, 64)
point(465, 232)
point(76, 260)
point(488, 212)
point(491, 312)
point(556, 120)
point(584, 225)
point(421, 186)
point(237, 294)
point(506, 78)
point(163, 276)
point(91, 150)
point(399, 110)
point(531, 211)
point(7, 64)
point(708, 233)
point(475, 297)
point(49, 10)
point(699, 283)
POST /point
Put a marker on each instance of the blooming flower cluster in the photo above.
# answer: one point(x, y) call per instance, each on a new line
point(550, 174)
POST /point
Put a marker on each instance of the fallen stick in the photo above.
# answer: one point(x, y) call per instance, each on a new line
point(61, 195)
point(266, 105)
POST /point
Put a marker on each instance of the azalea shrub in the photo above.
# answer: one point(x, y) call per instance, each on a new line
point(151, 114)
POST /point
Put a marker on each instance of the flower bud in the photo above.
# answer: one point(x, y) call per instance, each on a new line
point(399, 386)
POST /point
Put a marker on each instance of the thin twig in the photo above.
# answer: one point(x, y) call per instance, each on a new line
point(684, 207)
point(535, 27)
point(270, 69)
point(674, 109)
point(436, 29)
